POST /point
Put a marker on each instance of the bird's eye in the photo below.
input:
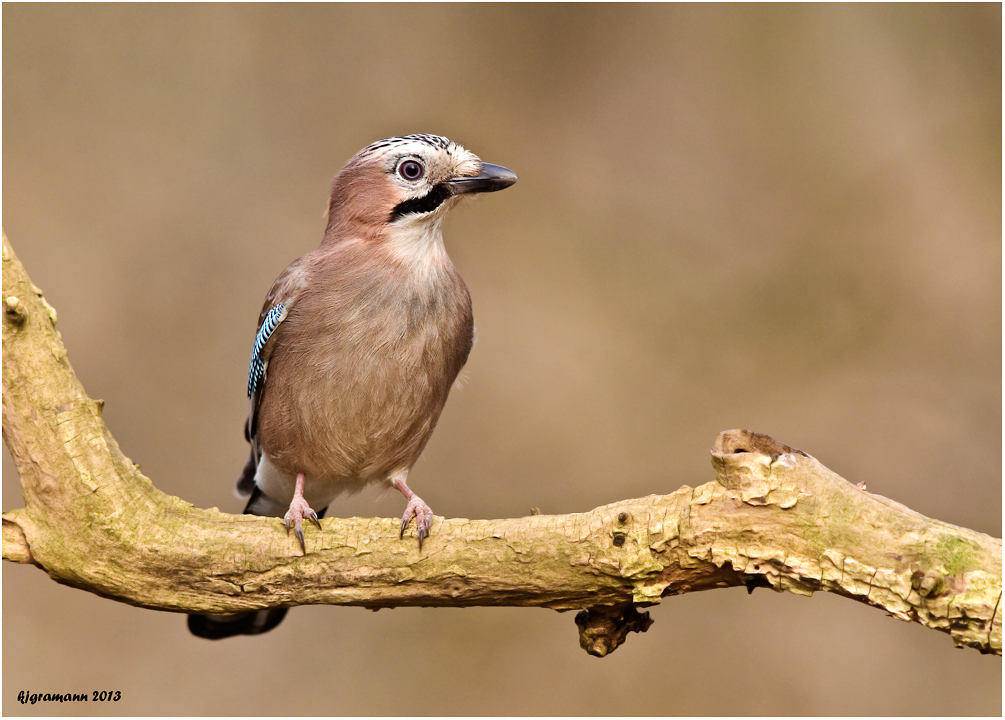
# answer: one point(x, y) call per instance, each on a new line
point(411, 170)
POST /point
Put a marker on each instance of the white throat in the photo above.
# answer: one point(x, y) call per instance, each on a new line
point(417, 241)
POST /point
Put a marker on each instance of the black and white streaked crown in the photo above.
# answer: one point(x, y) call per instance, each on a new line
point(435, 141)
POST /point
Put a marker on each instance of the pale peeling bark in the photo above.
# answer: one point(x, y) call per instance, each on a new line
point(774, 517)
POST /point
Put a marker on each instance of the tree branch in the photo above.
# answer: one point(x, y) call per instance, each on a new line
point(773, 517)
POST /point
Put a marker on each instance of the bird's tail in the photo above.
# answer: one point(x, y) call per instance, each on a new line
point(256, 622)
point(218, 627)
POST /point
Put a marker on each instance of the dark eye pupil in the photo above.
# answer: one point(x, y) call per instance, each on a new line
point(410, 170)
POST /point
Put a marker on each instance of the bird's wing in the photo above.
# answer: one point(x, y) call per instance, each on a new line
point(278, 303)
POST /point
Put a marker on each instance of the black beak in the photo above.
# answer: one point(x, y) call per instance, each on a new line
point(492, 178)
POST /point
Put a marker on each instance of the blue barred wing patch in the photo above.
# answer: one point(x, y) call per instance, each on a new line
point(256, 373)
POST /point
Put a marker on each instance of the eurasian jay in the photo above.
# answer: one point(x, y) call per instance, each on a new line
point(359, 343)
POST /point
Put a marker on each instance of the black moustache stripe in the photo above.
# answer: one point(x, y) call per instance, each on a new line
point(425, 204)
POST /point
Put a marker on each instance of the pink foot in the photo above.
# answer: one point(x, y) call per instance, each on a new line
point(423, 515)
point(300, 511)
point(416, 508)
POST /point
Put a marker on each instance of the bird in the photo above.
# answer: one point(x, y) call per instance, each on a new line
point(358, 345)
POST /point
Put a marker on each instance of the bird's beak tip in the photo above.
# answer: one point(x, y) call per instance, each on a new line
point(503, 176)
point(491, 178)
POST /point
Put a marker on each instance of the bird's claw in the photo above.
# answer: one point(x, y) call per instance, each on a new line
point(423, 515)
point(295, 516)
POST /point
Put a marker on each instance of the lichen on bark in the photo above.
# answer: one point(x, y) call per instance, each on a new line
point(772, 517)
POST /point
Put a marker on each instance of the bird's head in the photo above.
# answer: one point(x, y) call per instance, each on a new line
point(405, 185)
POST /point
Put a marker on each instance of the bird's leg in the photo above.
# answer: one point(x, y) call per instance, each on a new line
point(416, 508)
point(299, 511)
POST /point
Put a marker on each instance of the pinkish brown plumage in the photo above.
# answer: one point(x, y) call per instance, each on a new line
point(360, 370)
point(359, 343)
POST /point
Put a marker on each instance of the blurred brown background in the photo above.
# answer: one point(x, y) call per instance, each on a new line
point(780, 218)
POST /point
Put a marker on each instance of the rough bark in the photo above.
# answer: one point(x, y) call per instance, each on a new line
point(773, 517)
